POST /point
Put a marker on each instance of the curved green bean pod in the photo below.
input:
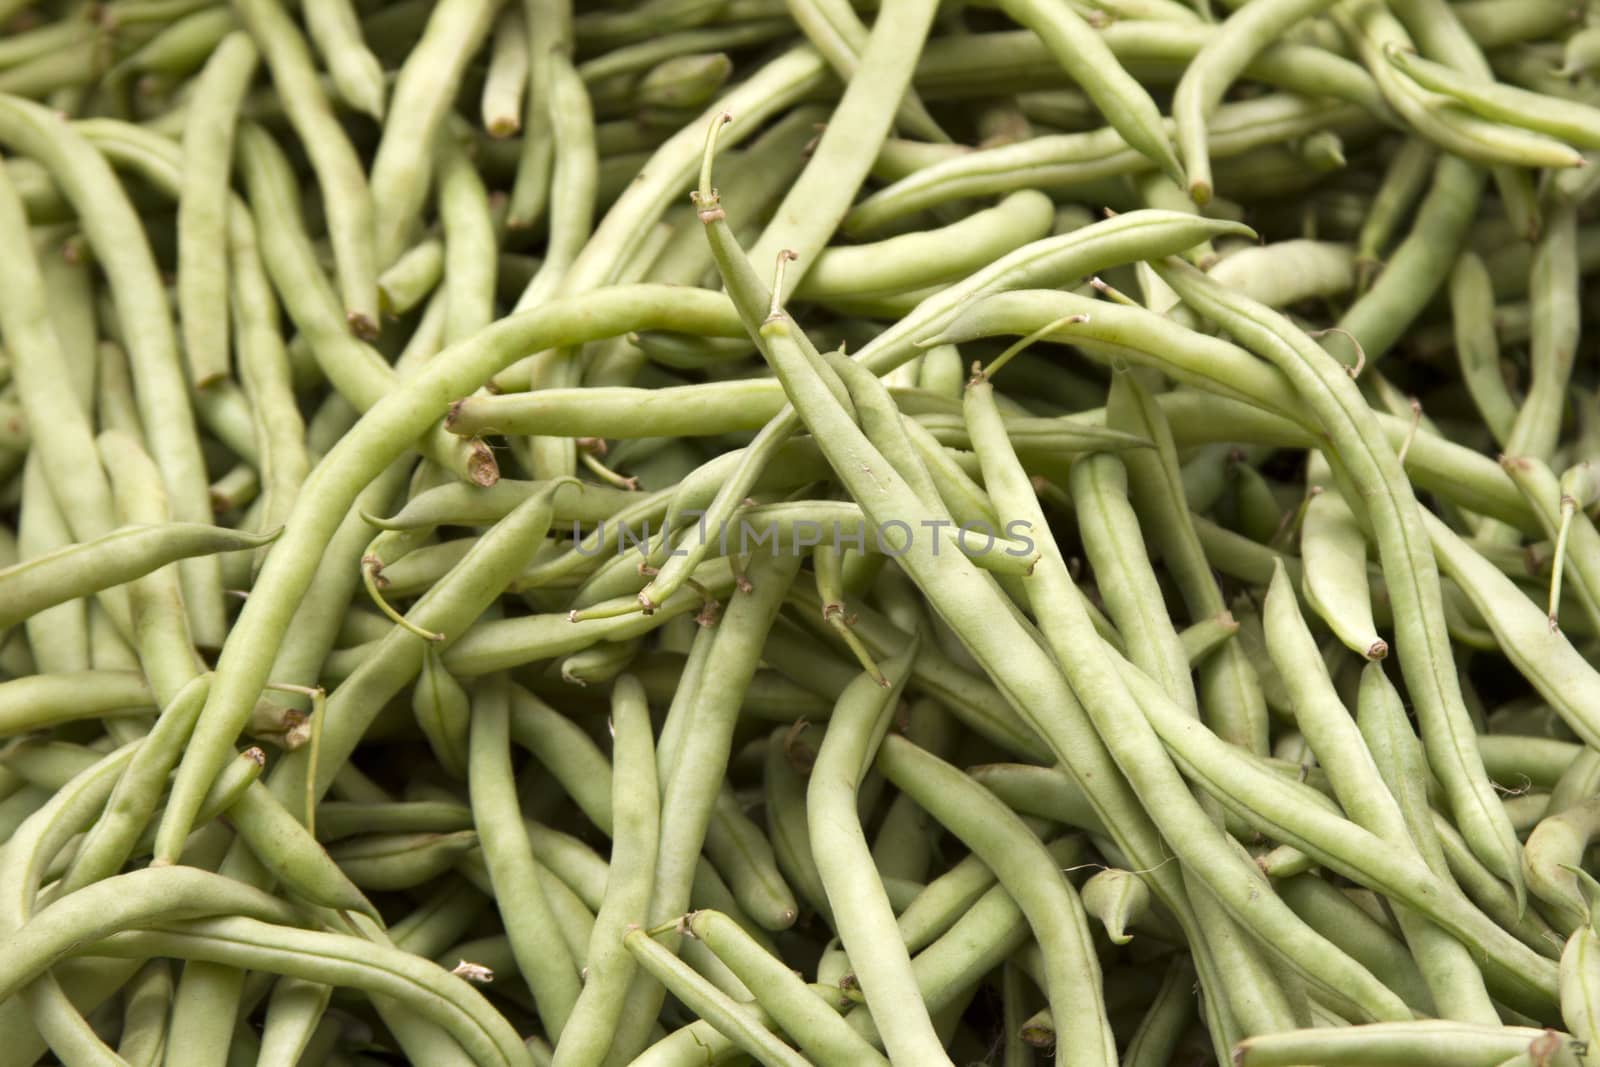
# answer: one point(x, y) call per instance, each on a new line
point(1544, 657)
point(1334, 554)
point(636, 815)
point(339, 173)
point(710, 1003)
point(914, 260)
point(122, 555)
point(1556, 844)
point(126, 901)
point(1466, 1044)
point(818, 200)
point(1118, 899)
point(1075, 158)
point(1023, 866)
point(336, 959)
point(1288, 272)
point(41, 700)
point(861, 909)
point(356, 72)
point(1207, 77)
point(1091, 65)
point(1420, 264)
point(1566, 120)
point(1364, 457)
point(551, 974)
point(209, 123)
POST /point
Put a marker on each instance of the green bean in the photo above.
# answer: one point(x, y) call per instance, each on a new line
point(745, 859)
point(1224, 57)
point(1578, 984)
point(783, 789)
point(1409, 568)
point(699, 735)
point(398, 662)
point(860, 908)
point(337, 959)
point(914, 260)
point(1473, 311)
point(58, 637)
point(1419, 265)
point(120, 556)
point(1345, 923)
point(572, 188)
point(1151, 774)
point(144, 1021)
point(295, 1015)
point(636, 811)
point(1569, 121)
point(551, 974)
point(139, 898)
point(1123, 574)
point(1020, 862)
point(204, 1012)
point(339, 174)
point(1335, 557)
point(710, 1003)
point(45, 386)
point(202, 206)
point(817, 202)
point(797, 1009)
point(1066, 160)
point(507, 78)
point(1064, 257)
point(1090, 64)
point(44, 699)
point(1287, 272)
point(178, 48)
point(392, 862)
point(356, 72)
point(1545, 659)
point(1360, 787)
point(1555, 509)
point(469, 282)
point(355, 369)
point(1335, 844)
point(407, 281)
point(1118, 899)
point(1557, 843)
point(1467, 1044)
point(1553, 288)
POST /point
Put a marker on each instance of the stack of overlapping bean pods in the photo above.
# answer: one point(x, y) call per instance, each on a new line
point(799, 531)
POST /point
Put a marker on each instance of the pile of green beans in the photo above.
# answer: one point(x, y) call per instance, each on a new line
point(839, 532)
